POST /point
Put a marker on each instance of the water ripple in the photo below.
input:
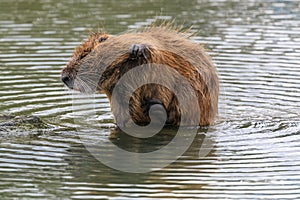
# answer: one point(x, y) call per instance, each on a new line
point(256, 144)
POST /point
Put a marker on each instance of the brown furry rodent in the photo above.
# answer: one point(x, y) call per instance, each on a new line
point(114, 56)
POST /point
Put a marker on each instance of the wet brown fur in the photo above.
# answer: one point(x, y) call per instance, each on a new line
point(166, 45)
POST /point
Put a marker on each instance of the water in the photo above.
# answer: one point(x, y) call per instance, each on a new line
point(256, 142)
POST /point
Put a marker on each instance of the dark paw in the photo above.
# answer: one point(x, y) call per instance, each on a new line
point(138, 51)
point(148, 103)
point(158, 114)
point(157, 109)
point(154, 101)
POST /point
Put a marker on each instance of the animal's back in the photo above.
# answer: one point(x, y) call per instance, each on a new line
point(173, 49)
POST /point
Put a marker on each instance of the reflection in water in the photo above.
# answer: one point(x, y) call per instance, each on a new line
point(135, 155)
point(91, 177)
point(255, 153)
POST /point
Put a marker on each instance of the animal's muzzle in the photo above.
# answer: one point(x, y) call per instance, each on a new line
point(67, 79)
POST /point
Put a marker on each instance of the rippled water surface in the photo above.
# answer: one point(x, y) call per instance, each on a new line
point(255, 144)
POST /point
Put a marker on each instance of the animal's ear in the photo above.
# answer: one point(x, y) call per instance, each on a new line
point(102, 38)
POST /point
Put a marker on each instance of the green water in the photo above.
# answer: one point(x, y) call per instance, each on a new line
point(254, 147)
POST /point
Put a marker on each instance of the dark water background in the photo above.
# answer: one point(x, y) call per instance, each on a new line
point(256, 143)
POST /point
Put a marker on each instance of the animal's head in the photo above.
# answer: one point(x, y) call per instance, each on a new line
point(69, 73)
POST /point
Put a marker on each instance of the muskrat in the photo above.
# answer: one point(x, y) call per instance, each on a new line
point(102, 60)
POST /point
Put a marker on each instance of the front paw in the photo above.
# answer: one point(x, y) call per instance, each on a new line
point(139, 51)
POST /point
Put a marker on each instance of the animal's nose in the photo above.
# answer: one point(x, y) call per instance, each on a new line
point(67, 80)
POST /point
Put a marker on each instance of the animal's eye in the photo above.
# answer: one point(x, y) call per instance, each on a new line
point(102, 39)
